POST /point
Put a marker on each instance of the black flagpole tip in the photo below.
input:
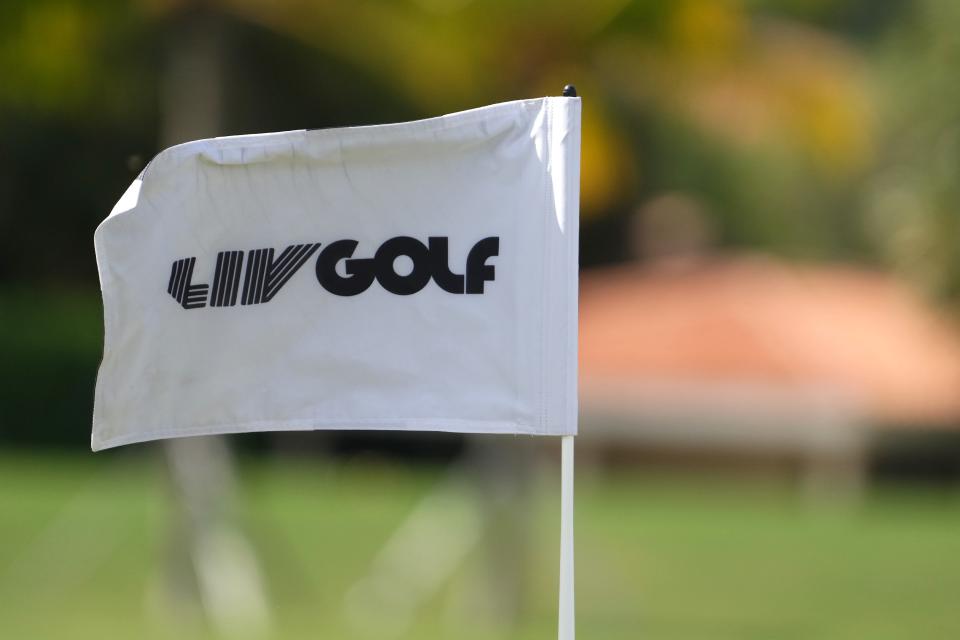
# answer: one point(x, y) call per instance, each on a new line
point(569, 91)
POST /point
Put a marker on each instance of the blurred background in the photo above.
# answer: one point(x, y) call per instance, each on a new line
point(770, 355)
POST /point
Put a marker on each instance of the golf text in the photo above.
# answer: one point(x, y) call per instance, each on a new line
point(265, 274)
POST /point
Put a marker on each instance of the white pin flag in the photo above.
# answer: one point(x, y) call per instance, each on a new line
point(419, 276)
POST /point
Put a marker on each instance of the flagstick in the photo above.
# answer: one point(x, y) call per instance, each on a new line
point(566, 628)
point(566, 624)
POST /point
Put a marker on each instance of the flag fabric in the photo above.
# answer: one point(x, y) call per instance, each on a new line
point(414, 276)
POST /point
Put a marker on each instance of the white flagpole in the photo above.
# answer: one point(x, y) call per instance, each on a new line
point(566, 628)
point(566, 624)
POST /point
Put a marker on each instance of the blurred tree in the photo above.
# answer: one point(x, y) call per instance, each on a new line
point(766, 120)
point(777, 122)
point(911, 199)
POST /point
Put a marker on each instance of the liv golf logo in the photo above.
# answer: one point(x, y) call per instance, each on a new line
point(262, 273)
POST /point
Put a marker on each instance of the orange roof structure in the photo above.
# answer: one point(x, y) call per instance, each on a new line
point(756, 321)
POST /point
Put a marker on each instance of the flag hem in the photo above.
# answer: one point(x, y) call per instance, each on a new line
point(384, 424)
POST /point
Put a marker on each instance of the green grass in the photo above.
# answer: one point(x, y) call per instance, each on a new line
point(82, 540)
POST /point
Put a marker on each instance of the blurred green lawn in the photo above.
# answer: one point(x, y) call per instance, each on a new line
point(658, 557)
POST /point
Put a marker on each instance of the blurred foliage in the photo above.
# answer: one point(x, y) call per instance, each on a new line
point(815, 129)
point(911, 199)
point(50, 345)
point(760, 110)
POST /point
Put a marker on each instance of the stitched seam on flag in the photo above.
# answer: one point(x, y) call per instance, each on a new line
point(560, 279)
point(571, 215)
point(443, 123)
point(373, 133)
point(572, 291)
point(545, 265)
point(307, 424)
point(108, 317)
point(543, 279)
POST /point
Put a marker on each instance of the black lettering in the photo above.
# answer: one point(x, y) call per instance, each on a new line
point(478, 271)
point(190, 296)
point(387, 276)
point(361, 271)
point(266, 276)
point(439, 262)
point(226, 279)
